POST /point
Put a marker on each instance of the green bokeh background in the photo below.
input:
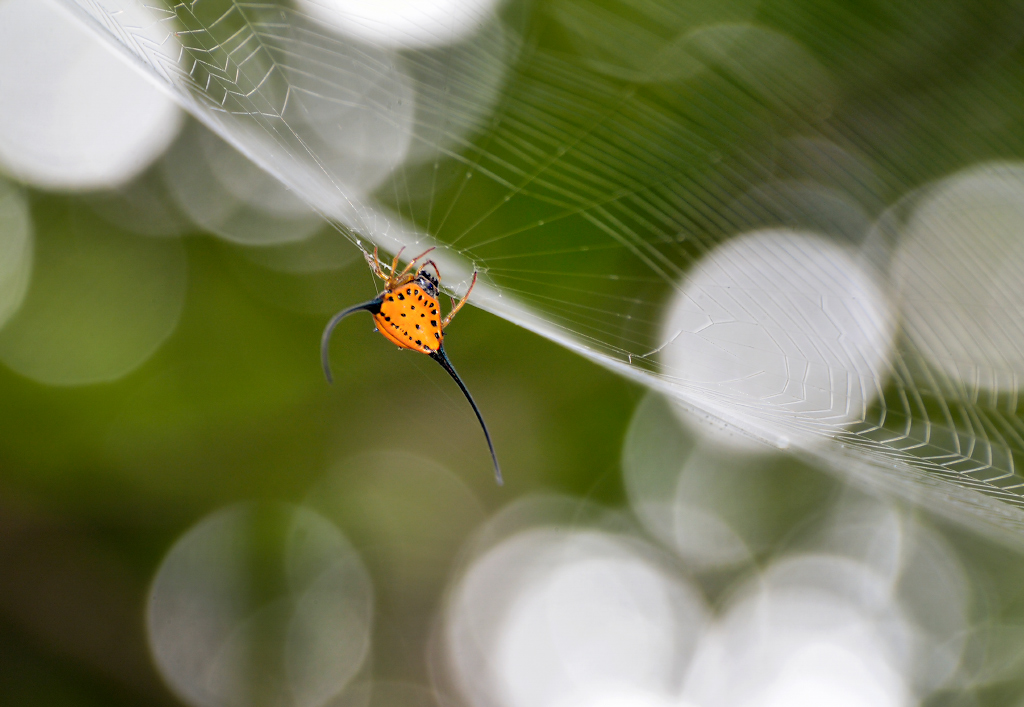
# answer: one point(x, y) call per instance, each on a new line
point(97, 481)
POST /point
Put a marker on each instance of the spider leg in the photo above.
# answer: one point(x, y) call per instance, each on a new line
point(451, 314)
point(373, 307)
point(441, 357)
point(394, 262)
point(374, 264)
point(436, 269)
point(412, 263)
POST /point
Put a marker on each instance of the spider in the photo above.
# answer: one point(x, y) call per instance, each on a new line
point(407, 313)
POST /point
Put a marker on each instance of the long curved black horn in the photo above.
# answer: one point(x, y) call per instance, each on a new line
point(441, 357)
point(373, 307)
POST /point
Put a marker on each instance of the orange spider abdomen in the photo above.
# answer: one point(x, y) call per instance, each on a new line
point(411, 319)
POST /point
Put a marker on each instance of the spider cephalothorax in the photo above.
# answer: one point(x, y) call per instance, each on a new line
point(430, 282)
point(408, 314)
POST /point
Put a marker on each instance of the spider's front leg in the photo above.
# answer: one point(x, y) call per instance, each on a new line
point(394, 262)
point(409, 266)
point(374, 264)
point(436, 269)
point(451, 314)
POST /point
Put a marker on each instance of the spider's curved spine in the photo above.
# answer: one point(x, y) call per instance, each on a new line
point(442, 358)
point(373, 307)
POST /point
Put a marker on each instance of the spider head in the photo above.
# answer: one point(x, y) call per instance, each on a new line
point(428, 281)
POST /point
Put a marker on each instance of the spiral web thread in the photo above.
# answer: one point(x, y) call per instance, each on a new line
point(586, 186)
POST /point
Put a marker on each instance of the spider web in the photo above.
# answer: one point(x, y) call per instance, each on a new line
point(589, 158)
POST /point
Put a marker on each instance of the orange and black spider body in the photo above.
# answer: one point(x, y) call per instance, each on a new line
point(408, 314)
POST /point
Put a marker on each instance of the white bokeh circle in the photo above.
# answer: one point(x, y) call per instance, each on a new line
point(224, 193)
point(780, 332)
point(403, 24)
point(706, 501)
point(99, 304)
point(556, 617)
point(813, 630)
point(269, 600)
point(958, 274)
point(656, 453)
point(359, 119)
point(73, 115)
